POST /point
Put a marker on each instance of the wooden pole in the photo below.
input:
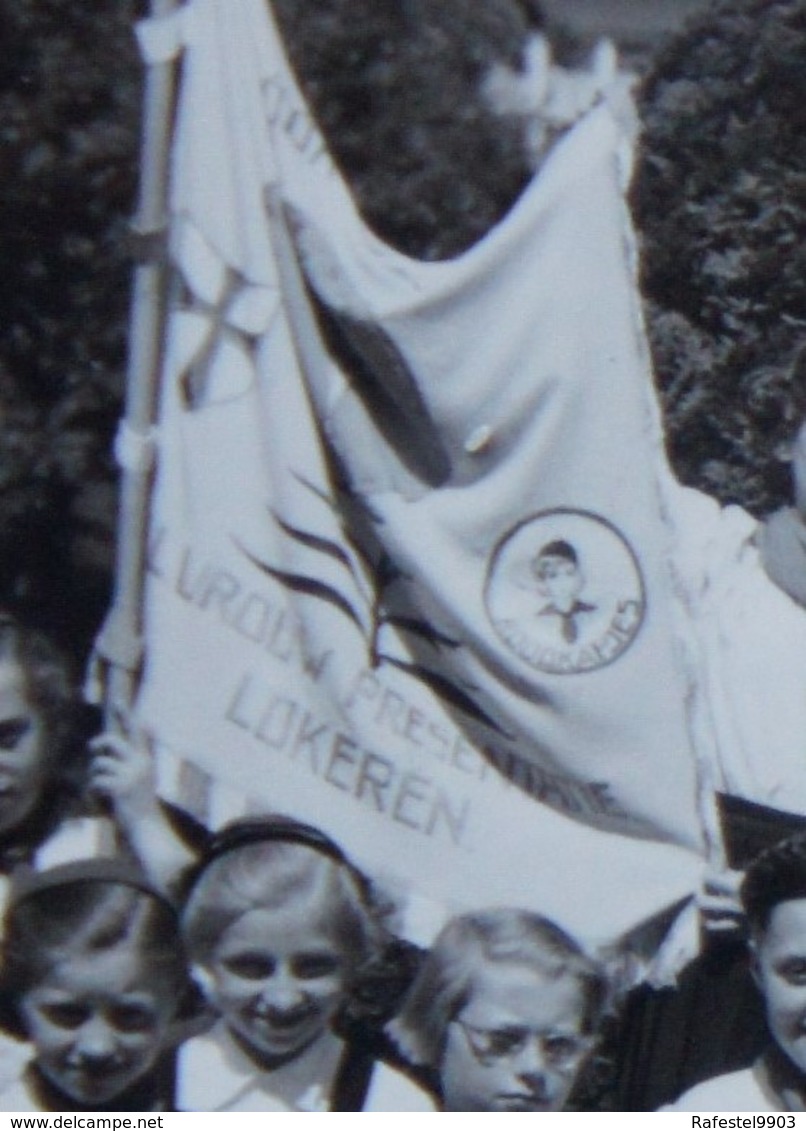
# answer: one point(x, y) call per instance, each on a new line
point(120, 643)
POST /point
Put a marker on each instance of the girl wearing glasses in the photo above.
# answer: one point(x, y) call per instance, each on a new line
point(503, 1012)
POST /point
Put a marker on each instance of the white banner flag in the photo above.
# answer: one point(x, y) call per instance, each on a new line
point(447, 635)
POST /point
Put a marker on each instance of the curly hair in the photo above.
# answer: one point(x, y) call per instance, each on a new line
point(776, 876)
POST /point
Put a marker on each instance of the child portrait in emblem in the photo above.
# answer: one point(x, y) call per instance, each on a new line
point(565, 592)
point(560, 581)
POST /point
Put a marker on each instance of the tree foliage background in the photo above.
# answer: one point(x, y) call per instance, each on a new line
point(720, 198)
point(68, 132)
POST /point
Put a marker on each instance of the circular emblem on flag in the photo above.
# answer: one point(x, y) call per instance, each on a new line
point(564, 592)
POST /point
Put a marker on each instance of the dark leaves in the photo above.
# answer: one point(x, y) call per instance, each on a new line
point(307, 586)
point(422, 629)
point(69, 123)
point(316, 542)
point(396, 90)
point(720, 196)
point(448, 692)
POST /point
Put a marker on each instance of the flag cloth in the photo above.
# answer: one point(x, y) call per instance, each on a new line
point(409, 573)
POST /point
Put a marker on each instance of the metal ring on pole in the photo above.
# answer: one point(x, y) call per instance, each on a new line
point(161, 37)
point(135, 451)
point(148, 244)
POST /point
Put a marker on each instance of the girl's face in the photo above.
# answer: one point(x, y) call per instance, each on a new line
point(24, 764)
point(277, 979)
point(98, 1023)
point(517, 1044)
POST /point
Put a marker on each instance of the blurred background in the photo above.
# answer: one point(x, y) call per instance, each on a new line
point(638, 25)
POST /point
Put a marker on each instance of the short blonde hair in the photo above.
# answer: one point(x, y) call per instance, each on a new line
point(505, 936)
point(270, 874)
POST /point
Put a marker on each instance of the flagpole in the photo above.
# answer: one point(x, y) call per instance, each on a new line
point(120, 643)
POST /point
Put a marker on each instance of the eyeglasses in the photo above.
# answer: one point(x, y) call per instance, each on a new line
point(560, 1051)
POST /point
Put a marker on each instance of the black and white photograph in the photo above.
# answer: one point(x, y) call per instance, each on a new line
point(403, 556)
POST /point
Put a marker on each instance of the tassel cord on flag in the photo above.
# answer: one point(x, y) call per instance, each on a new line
point(119, 644)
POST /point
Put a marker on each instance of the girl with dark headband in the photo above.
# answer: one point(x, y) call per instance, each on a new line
point(93, 973)
point(278, 926)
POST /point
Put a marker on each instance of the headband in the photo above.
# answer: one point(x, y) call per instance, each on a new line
point(27, 884)
point(281, 829)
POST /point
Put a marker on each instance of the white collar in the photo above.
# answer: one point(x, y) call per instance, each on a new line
point(215, 1074)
